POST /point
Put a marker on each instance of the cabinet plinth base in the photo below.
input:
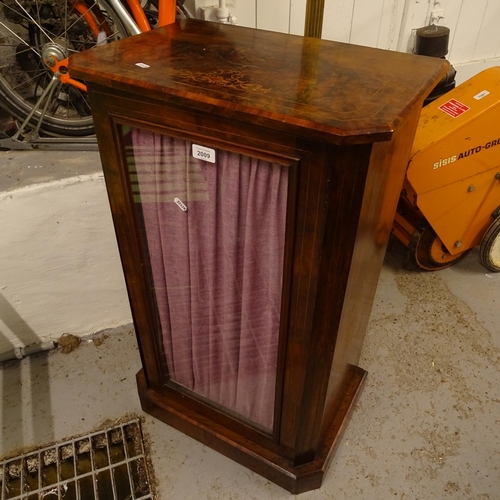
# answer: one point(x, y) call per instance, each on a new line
point(260, 460)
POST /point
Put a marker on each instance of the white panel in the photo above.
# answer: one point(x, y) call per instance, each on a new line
point(467, 30)
point(366, 22)
point(415, 16)
point(390, 24)
point(451, 12)
point(297, 16)
point(63, 272)
point(273, 15)
point(468, 70)
point(337, 20)
point(489, 33)
point(246, 13)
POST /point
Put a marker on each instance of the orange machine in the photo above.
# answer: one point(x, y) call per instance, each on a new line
point(450, 200)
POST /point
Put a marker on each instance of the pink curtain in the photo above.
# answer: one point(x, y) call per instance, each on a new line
point(217, 267)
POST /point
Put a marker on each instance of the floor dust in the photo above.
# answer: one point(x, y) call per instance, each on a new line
point(98, 341)
point(68, 342)
point(148, 447)
point(428, 341)
point(421, 409)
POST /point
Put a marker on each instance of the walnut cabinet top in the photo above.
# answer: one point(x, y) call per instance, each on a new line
point(345, 92)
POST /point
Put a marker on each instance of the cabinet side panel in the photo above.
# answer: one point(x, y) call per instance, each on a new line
point(383, 184)
point(347, 168)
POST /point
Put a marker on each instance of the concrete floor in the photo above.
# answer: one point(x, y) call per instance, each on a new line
point(426, 426)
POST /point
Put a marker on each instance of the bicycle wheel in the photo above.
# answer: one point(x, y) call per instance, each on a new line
point(32, 29)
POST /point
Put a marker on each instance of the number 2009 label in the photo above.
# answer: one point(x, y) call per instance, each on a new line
point(203, 153)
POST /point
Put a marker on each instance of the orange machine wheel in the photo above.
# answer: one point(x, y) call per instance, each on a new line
point(429, 252)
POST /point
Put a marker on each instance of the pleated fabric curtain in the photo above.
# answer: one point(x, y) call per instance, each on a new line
point(217, 267)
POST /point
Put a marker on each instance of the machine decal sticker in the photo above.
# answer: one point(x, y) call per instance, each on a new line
point(464, 154)
point(478, 149)
point(454, 108)
point(445, 161)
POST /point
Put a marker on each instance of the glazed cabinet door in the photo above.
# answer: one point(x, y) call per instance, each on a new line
point(214, 223)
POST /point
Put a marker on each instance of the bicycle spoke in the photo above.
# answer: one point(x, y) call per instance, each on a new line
point(70, 103)
point(38, 13)
point(15, 45)
point(81, 16)
point(27, 18)
point(84, 100)
point(66, 105)
point(6, 6)
point(28, 48)
point(19, 38)
point(65, 17)
point(31, 17)
point(30, 80)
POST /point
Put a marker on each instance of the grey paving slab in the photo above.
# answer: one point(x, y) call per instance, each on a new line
point(24, 168)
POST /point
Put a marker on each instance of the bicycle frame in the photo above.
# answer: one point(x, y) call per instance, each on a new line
point(166, 12)
point(135, 24)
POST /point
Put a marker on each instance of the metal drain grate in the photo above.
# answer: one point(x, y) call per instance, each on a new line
point(105, 465)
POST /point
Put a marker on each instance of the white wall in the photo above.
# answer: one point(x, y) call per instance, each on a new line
point(60, 270)
point(286, 16)
point(390, 24)
point(386, 24)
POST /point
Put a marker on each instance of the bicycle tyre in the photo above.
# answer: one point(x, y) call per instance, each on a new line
point(24, 34)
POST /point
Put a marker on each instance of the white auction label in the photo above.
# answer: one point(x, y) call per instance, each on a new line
point(482, 94)
point(203, 153)
point(142, 65)
point(181, 205)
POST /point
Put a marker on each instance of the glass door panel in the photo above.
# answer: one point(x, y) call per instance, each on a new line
point(215, 228)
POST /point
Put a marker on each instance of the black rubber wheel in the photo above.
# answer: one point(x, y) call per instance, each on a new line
point(27, 28)
point(489, 251)
point(429, 252)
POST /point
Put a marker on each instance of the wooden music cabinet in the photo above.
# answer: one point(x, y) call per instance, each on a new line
point(253, 178)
